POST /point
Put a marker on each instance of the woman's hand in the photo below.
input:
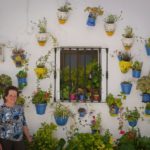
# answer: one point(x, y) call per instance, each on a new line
point(1, 146)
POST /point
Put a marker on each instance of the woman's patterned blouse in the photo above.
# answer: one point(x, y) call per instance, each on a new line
point(12, 120)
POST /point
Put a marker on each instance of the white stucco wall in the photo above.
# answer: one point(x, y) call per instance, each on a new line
point(15, 26)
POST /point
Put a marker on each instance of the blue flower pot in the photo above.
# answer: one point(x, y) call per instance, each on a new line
point(81, 97)
point(61, 121)
point(82, 114)
point(147, 50)
point(22, 82)
point(145, 98)
point(91, 21)
point(40, 108)
point(132, 123)
point(147, 111)
point(126, 88)
point(114, 110)
point(136, 73)
point(119, 58)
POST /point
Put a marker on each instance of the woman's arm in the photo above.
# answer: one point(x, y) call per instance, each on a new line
point(1, 146)
point(27, 134)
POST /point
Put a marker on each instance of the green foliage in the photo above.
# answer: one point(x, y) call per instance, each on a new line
point(137, 65)
point(65, 8)
point(42, 25)
point(143, 143)
point(5, 81)
point(125, 56)
point(21, 74)
point(132, 115)
point(96, 123)
point(40, 97)
point(128, 32)
point(44, 139)
point(143, 84)
point(147, 107)
point(112, 101)
point(126, 82)
point(20, 100)
point(62, 111)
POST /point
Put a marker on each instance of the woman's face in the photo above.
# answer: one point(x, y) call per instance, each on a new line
point(11, 97)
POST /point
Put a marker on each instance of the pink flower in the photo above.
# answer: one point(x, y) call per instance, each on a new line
point(122, 132)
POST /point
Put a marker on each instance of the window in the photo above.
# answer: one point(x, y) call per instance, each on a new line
point(80, 74)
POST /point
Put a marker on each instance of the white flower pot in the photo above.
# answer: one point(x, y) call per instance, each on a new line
point(127, 43)
point(110, 28)
point(62, 17)
point(42, 38)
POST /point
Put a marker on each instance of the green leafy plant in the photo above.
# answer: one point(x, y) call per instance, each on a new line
point(126, 82)
point(137, 65)
point(5, 81)
point(65, 8)
point(44, 138)
point(143, 84)
point(40, 96)
point(132, 115)
point(111, 18)
point(148, 42)
point(20, 100)
point(125, 56)
point(62, 111)
point(42, 25)
point(22, 74)
point(81, 109)
point(128, 32)
point(147, 107)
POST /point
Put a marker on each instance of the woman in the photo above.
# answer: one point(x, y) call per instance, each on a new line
point(12, 122)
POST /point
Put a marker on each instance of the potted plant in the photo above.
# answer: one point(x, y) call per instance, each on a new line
point(147, 46)
point(61, 114)
point(126, 87)
point(42, 35)
point(63, 13)
point(147, 109)
point(19, 57)
point(136, 69)
point(128, 38)
point(114, 104)
point(125, 62)
point(22, 79)
point(143, 84)
point(44, 138)
point(96, 124)
point(40, 98)
point(110, 23)
point(93, 13)
point(82, 112)
point(5, 81)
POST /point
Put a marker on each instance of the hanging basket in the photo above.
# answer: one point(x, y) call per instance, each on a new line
point(61, 121)
point(113, 110)
point(42, 38)
point(127, 43)
point(147, 50)
point(126, 88)
point(91, 21)
point(110, 28)
point(22, 82)
point(62, 17)
point(41, 72)
point(132, 123)
point(136, 73)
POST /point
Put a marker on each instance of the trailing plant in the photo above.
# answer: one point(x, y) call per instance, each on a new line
point(128, 32)
point(143, 84)
point(96, 123)
point(65, 8)
point(137, 65)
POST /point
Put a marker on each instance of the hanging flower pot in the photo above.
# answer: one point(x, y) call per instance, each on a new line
point(125, 66)
point(72, 96)
point(126, 87)
point(147, 109)
point(40, 108)
point(132, 123)
point(42, 38)
point(128, 38)
point(136, 69)
point(113, 110)
point(19, 57)
point(22, 79)
point(136, 73)
point(41, 72)
point(147, 50)
point(63, 13)
point(93, 13)
point(61, 121)
point(145, 97)
point(82, 112)
point(110, 28)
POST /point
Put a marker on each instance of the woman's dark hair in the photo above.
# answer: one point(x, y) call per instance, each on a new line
point(6, 92)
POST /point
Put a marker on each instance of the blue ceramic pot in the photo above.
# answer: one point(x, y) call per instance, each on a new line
point(147, 50)
point(147, 111)
point(114, 110)
point(136, 73)
point(22, 82)
point(61, 121)
point(145, 98)
point(40, 108)
point(82, 114)
point(81, 97)
point(132, 123)
point(126, 88)
point(91, 21)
